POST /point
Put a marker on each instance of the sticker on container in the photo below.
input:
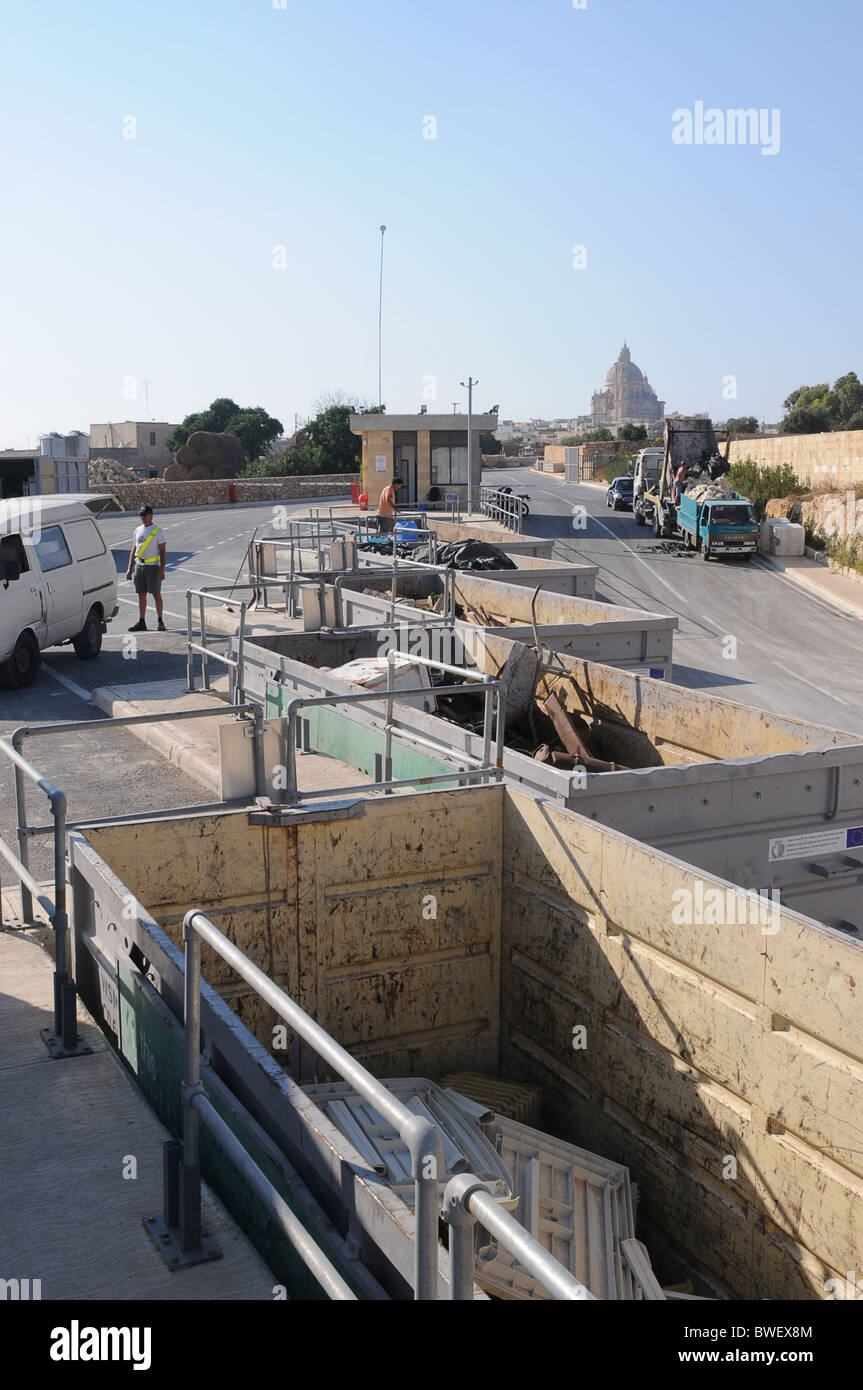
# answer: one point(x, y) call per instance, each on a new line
point(817, 842)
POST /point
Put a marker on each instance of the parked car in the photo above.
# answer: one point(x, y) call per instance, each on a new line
point(58, 582)
point(619, 495)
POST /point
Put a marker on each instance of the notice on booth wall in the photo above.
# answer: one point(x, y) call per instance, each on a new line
point(380, 463)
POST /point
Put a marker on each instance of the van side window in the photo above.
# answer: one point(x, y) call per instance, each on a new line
point(12, 548)
point(85, 539)
point(51, 549)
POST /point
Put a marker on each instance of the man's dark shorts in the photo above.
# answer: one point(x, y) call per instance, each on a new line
point(147, 579)
point(386, 524)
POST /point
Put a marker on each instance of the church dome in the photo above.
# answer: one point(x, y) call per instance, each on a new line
point(624, 369)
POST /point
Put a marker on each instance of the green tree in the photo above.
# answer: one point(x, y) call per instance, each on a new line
point(325, 445)
point(254, 428)
point(813, 409)
point(742, 424)
point(489, 444)
point(573, 440)
point(632, 432)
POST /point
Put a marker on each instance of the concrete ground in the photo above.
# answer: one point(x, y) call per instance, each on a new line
point(81, 1120)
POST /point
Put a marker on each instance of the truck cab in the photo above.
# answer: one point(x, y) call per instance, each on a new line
point(58, 582)
point(718, 526)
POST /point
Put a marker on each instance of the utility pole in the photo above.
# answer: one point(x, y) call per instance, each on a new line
point(470, 384)
point(380, 314)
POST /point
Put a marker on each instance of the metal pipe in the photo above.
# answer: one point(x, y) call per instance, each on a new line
point(239, 678)
point(23, 847)
point(388, 727)
point(514, 1238)
point(311, 1032)
point(192, 1042)
point(311, 1254)
point(258, 751)
point(190, 655)
point(427, 1166)
point(486, 726)
point(205, 655)
point(34, 889)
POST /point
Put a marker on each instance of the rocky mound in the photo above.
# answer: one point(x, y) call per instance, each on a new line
point(207, 454)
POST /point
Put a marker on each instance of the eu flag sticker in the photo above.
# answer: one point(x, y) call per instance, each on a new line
point(854, 837)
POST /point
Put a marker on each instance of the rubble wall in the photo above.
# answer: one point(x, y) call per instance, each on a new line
point(203, 492)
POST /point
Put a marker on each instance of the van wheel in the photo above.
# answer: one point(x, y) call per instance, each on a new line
point(705, 552)
point(88, 643)
point(23, 664)
point(640, 519)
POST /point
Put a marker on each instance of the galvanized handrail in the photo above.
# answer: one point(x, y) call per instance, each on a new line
point(420, 1136)
point(64, 1040)
point(465, 1199)
point(486, 769)
point(503, 507)
point(447, 575)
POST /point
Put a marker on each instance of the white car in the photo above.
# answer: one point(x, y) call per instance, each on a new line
point(58, 581)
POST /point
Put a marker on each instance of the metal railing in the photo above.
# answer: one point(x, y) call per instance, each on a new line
point(448, 576)
point(421, 1136)
point(506, 508)
point(488, 768)
point(465, 1197)
point(465, 1200)
point(63, 1041)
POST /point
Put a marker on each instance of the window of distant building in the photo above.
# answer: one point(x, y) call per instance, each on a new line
point(449, 456)
point(152, 438)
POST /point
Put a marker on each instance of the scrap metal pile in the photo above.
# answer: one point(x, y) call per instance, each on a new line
point(457, 555)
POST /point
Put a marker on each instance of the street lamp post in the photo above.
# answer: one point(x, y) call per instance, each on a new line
point(470, 384)
point(380, 314)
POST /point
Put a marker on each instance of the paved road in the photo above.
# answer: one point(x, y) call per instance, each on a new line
point(746, 632)
point(115, 774)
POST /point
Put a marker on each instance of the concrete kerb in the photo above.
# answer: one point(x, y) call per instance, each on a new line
point(180, 743)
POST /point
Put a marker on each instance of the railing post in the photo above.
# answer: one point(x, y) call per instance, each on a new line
point(488, 699)
point(461, 1236)
point(291, 790)
point(190, 1167)
point(23, 838)
point(190, 655)
point(388, 727)
point(427, 1166)
point(239, 695)
point(205, 659)
point(258, 751)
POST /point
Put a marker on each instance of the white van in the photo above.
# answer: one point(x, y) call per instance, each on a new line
point(58, 581)
point(648, 467)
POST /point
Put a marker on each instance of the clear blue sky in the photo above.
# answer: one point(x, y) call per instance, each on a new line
point(302, 127)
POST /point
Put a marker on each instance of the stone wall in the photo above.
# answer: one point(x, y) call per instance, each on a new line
point(206, 492)
point(835, 458)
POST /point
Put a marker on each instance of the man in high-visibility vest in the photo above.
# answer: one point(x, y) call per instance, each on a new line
point(147, 557)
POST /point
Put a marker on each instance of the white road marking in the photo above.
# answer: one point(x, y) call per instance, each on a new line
point(70, 685)
point(821, 691)
point(208, 574)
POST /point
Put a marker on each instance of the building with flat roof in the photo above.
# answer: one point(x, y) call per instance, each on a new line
point(140, 444)
point(428, 452)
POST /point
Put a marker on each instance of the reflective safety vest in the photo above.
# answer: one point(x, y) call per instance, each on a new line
point(139, 558)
